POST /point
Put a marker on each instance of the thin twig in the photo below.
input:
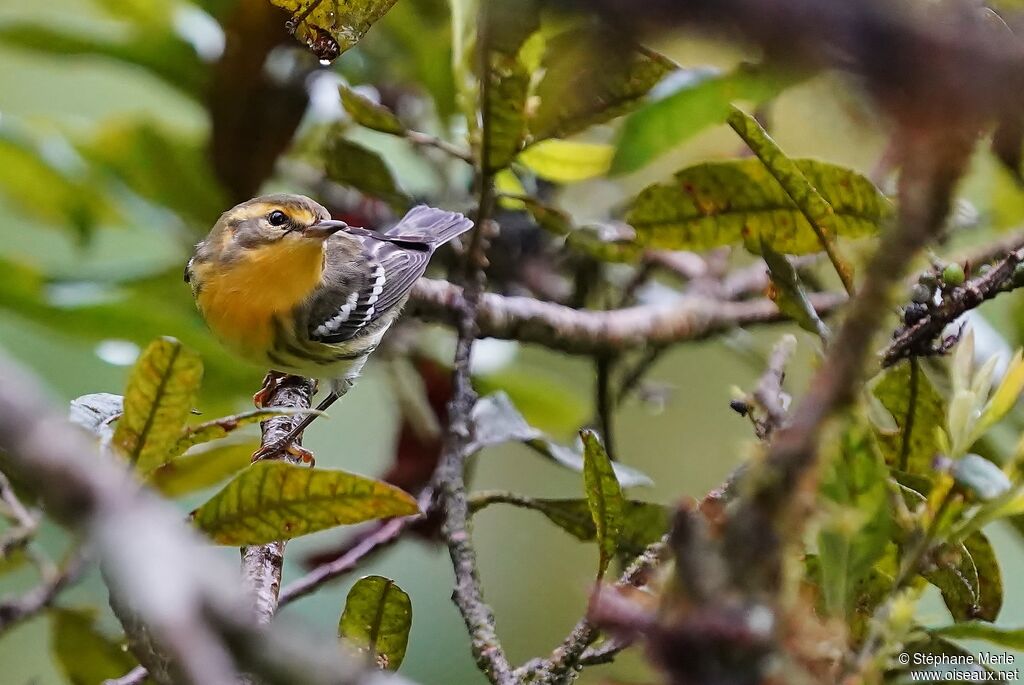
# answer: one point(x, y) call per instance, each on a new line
point(919, 338)
point(769, 393)
point(427, 140)
point(136, 676)
point(450, 483)
point(384, 536)
point(560, 667)
point(39, 598)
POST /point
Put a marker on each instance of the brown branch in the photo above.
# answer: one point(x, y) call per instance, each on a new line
point(592, 332)
point(262, 564)
point(450, 479)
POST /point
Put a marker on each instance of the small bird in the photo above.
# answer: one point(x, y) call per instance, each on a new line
point(285, 286)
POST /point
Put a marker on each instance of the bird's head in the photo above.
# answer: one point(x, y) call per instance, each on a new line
point(278, 235)
point(273, 219)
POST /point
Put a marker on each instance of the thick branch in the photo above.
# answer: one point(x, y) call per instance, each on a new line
point(591, 332)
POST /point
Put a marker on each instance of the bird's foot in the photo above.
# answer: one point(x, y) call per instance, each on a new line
point(271, 382)
point(274, 449)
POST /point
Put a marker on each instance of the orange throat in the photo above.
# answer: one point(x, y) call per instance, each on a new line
point(241, 300)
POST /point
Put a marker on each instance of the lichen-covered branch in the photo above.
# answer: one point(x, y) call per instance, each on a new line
point(262, 564)
point(592, 332)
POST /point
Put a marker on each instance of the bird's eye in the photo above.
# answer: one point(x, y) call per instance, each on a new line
point(277, 218)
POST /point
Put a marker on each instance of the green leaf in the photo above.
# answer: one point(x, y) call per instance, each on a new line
point(497, 421)
point(1011, 638)
point(590, 77)
point(86, 656)
point(1005, 397)
point(789, 293)
point(700, 100)
point(990, 577)
point(610, 241)
point(162, 53)
point(508, 23)
point(739, 201)
point(274, 500)
point(50, 194)
point(222, 427)
point(564, 161)
point(969, 579)
point(370, 114)
point(506, 103)
point(979, 476)
point(376, 620)
point(331, 27)
point(353, 165)
point(857, 528)
point(642, 522)
point(143, 155)
point(157, 402)
point(817, 211)
point(917, 407)
point(604, 497)
point(551, 219)
point(202, 468)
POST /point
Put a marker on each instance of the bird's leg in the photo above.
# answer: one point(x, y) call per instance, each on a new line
point(285, 444)
point(271, 382)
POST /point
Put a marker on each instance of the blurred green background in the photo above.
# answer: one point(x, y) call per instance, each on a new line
point(104, 187)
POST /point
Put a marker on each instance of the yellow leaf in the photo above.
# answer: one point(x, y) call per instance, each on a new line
point(563, 161)
point(157, 402)
point(275, 500)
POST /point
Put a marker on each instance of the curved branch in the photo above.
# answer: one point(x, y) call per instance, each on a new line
point(589, 332)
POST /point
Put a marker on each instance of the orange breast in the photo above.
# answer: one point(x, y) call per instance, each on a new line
point(240, 301)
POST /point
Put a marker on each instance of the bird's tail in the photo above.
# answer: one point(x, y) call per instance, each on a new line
point(428, 225)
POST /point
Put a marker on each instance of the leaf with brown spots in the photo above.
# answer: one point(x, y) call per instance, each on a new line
point(739, 201)
point(274, 500)
point(331, 27)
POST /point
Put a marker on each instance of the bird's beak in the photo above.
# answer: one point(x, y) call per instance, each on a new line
point(324, 229)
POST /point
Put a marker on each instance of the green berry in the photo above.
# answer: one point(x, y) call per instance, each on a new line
point(954, 275)
point(921, 294)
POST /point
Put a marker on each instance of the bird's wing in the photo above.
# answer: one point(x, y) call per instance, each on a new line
point(352, 300)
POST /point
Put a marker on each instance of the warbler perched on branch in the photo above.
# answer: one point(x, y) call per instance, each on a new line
point(284, 285)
